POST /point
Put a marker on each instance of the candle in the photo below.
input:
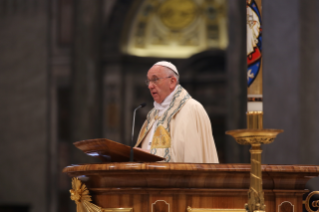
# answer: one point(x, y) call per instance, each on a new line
point(254, 65)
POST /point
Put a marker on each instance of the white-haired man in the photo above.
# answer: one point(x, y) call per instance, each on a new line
point(178, 127)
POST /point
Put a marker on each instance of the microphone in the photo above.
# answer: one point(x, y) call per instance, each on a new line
point(133, 126)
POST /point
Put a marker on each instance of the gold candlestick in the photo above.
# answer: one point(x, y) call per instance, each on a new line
point(255, 137)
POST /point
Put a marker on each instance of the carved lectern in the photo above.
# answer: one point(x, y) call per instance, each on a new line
point(181, 187)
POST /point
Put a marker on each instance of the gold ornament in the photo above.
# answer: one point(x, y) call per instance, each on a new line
point(177, 14)
point(315, 204)
point(80, 194)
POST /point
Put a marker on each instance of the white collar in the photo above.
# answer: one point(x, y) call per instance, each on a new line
point(165, 104)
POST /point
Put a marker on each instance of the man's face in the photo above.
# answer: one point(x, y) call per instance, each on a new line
point(163, 86)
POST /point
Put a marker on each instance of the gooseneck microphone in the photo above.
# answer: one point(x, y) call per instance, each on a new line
point(133, 127)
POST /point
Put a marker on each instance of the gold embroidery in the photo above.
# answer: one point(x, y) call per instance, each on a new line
point(161, 139)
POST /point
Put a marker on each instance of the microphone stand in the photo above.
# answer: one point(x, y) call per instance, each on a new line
point(133, 126)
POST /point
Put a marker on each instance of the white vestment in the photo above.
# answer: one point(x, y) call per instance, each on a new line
point(183, 132)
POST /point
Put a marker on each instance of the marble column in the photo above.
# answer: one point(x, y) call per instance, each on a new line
point(291, 81)
point(236, 80)
point(86, 76)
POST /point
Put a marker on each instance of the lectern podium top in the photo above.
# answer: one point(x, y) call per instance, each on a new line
point(193, 175)
point(112, 151)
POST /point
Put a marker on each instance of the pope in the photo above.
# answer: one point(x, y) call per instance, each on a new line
point(178, 127)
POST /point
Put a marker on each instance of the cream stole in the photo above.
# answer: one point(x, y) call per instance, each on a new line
point(162, 136)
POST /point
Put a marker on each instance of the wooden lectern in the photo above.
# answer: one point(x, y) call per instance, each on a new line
point(181, 187)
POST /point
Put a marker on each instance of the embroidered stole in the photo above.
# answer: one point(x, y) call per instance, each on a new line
point(162, 137)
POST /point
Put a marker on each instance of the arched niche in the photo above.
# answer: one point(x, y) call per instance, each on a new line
point(175, 28)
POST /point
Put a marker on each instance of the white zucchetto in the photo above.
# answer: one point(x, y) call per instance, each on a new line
point(167, 65)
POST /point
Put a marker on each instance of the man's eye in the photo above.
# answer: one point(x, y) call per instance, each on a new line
point(155, 80)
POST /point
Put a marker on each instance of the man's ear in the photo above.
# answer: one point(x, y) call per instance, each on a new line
point(173, 82)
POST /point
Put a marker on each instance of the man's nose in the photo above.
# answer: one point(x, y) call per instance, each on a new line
point(150, 85)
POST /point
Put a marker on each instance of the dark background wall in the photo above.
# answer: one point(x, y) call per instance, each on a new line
point(63, 77)
point(24, 104)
